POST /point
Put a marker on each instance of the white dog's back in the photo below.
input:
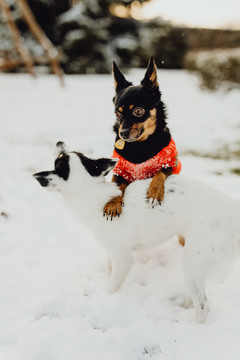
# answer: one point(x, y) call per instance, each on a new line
point(208, 220)
point(187, 204)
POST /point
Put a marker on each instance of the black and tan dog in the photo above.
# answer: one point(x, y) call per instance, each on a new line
point(143, 144)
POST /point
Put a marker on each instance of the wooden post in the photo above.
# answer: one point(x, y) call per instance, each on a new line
point(21, 49)
point(52, 52)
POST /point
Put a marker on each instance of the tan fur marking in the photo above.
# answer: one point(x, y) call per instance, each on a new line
point(131, 107)
point(120, 109)
point(153, 76)
point(149, 125)
point(135, 131)
point(181, 240)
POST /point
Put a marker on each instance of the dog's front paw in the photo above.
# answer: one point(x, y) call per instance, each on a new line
point(155, 194)
point(113, 208)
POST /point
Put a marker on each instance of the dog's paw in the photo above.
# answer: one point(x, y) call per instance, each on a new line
point(113, 208)
point(155, 195)
point(153, 202)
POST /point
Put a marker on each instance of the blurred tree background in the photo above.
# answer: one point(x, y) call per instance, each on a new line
point(89, 34)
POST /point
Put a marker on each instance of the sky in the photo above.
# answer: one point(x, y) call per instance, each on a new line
point(204, 13)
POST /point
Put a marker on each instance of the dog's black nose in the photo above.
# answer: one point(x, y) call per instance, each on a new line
point(125, 133)
point(41, 179)
point(61, 148)
point(60, 144)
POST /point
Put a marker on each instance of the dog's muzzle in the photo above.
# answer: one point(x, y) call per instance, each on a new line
point(125, 134)
point(128, 136)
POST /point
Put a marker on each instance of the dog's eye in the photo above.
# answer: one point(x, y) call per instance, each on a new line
point(137, 111)
point(118, 114)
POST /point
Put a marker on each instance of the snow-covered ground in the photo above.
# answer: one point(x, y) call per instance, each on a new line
point(53, 305)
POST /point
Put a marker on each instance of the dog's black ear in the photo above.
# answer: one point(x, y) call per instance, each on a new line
point(42, 177)
point(119, 79)
point(150, 78)
point(97, 167)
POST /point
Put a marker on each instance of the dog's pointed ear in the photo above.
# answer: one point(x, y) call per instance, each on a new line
point(150, 78)
point(42, 177)
point(49, 179)
point(98, 167)
point(119, 79)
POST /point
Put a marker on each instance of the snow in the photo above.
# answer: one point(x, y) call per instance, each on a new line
point(220, 55)
point(53, 303)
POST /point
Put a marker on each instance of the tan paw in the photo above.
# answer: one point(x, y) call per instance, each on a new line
point(155, 193)
point(113, 208)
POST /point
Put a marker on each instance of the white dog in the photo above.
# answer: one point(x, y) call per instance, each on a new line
point(208, 220)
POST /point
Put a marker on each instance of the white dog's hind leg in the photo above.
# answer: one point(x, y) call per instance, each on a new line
point(200, 302)
point(121, 265)
point(108, 266)
point(195, 280)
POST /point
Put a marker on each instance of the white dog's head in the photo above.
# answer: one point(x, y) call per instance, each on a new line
point(72, 164)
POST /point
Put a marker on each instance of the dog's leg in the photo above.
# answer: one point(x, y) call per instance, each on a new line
point(121, 264)
point(108, 266)
point(113, 207)
point(155, 191)
point(195, 280)
point(200, 302)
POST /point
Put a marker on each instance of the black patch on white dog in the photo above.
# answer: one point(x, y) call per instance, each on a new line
point(43, 177)
point(62, 166)
point(97, 167)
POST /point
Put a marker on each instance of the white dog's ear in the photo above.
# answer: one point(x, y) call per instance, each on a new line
point(98, 167)
point(106, 165)
point(49, 179)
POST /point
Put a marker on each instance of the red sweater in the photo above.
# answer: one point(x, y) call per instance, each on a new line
point(167, 157)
